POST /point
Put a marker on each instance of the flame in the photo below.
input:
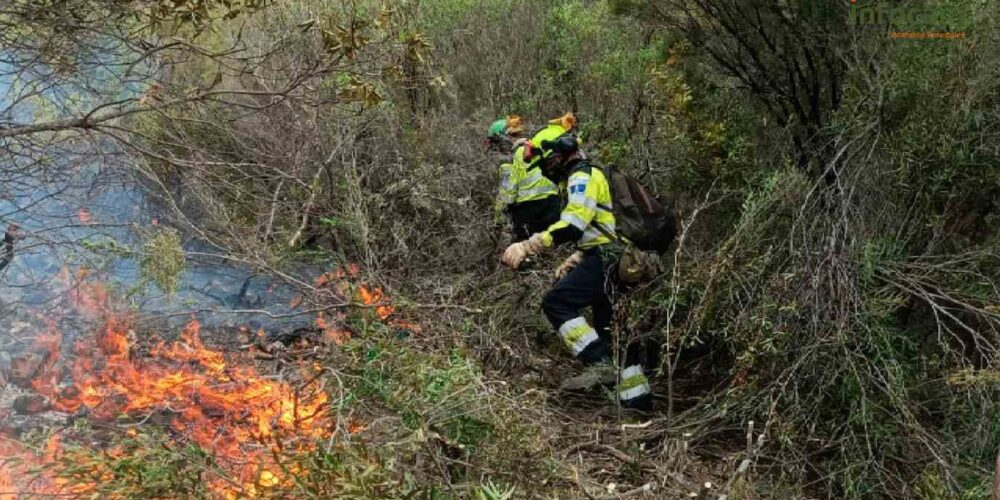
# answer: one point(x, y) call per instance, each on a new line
point(332, 332)
point(267, 479)
point(226, 408)
point(407, 325)
point(356, 426)
point(19, 478)
point(218, 401)
point(337, 274)
point(374, 296)
point(10, 488)
point(368, 295)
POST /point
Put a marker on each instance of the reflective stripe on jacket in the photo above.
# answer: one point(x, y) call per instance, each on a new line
point(505, 195)
point(588, 203)
point(528, 182)
point(522, 182)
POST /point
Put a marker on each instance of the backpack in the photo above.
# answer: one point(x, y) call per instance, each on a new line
point(640, 216)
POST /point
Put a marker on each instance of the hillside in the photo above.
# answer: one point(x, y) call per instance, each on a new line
point(183, 175)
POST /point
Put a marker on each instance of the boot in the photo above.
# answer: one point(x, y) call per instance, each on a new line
point(603, 373)
point(642, 403)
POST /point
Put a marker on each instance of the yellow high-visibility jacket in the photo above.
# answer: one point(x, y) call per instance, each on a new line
point(523, 187)
point(588, 203)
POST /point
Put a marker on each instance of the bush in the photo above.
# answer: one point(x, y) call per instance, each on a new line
point(838, 282)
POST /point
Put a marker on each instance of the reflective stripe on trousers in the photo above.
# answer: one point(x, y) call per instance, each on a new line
point(633, 383)
point(577, 334)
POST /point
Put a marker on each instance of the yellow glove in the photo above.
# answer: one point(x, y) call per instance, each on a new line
point(515, 254)
point(569, 265)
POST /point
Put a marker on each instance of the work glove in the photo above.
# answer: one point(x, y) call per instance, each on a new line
point(570, 264)
point(515, 254)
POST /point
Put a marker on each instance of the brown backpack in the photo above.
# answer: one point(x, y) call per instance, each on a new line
point(640, 216)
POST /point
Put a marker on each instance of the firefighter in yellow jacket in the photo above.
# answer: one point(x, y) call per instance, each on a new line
point(588, 277)
point(504, 134)
point(528, 198)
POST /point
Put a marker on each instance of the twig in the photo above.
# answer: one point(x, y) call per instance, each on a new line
point(637, 426)
point(646, 488)
point(314, 190)
point(752, 451)
point(470, 310)
point(274, 209)
point(672, 303)
point(579, 484)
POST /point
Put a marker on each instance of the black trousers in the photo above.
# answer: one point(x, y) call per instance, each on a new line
point(530, 217)
point(590, 284)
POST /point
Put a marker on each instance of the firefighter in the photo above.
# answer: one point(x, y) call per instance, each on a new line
point(504, 133)
point(588, 277)
point(526, 196)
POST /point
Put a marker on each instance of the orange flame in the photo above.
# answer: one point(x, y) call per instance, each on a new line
point(231, 410)
point(332, 332)
point(373, 296)
point(337, 274)
point(20, 478)
point(211, 399)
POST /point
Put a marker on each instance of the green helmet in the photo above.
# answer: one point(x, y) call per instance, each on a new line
point(498, 128)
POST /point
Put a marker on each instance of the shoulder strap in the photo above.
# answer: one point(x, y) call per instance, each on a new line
point(606, 171)
point(580, 165)
point(600, 228)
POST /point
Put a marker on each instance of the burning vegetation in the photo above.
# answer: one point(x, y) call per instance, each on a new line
point(245, 425)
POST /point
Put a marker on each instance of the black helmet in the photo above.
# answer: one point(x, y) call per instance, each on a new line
point(563, 145)
point(554, 155)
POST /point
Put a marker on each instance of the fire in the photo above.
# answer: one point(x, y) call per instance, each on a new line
point(226, 408)
point(337, 274)
point(17, 479)
point(332, 332)
point(370, 296)
point(9, 472)
point(374, 296)
point(267, 479)
point(215, 400)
